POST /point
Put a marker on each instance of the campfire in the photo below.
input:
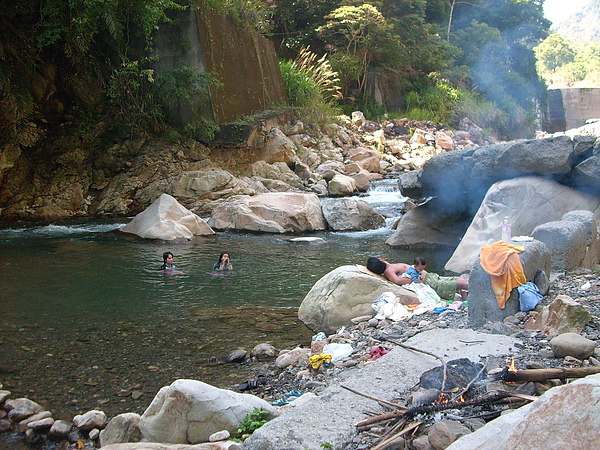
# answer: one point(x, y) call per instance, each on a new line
point(464, 391)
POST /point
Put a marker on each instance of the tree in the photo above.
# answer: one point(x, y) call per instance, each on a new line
point(554, 52)
point(360, 34)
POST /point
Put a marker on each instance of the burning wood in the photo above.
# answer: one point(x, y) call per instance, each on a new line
point(560, 373)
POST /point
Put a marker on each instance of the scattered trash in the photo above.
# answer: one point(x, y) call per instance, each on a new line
point(529, 296)
point(253, 384)
point(281, 402)
point(388, 307)
point(319, 336)
point(338, 351)
point(586, 286)
point(316, 360)
point(377, 353)
point(293, 393)
point(522, 238)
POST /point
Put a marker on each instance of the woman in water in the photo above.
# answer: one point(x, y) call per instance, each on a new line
point(224, 263)
point(168, 261)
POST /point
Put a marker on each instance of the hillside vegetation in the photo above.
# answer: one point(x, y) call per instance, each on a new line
point(69, 66)
point(570, 57)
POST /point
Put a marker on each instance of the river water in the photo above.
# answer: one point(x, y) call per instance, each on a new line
point(87, 321)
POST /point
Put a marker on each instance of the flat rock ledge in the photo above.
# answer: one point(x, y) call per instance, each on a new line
point(330, 417)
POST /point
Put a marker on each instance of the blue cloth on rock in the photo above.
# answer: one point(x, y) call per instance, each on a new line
point(529, 296)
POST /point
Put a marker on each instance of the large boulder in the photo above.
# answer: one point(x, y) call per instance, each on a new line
point(560, 417)
point(278, 171)
point(567, 242)
point(345, 293)
point(527, 202)
point(341, 185)
point(563, 315)
point(121, 428)
point(284, 212)
point(278, 148)
point(189, 411)
point(483, 305)
point(426, 225)
point(167, 219)
point(344, 214)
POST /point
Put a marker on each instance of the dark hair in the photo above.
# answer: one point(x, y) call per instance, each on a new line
point(221, 256)
point(166, 255)
point(419, 261)
point(376, 265)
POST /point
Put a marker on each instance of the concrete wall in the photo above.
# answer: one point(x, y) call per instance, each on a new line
point(214, 41)
point(245, 62)
point(571, 107)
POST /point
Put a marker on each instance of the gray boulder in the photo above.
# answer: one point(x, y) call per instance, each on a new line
point(345, 214)
point(284, 212)
point(527, 202)
point(167, 219)
point(121, 428)
point(572, 344)
point(189, 411)
point(587, 174)
point(426, 225)
point(277, 147)
point(567, 242)
point(341, 185)
point(278, 171)
point(561, 416)
point(343, 294)
point(563, 315)
point(483, 305)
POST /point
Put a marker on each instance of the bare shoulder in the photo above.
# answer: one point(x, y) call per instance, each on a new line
point(398, 268)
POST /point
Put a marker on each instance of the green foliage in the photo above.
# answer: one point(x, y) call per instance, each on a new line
point(436, 101)
point(202, 130)
point(253, 421)
point(132, 98)
point(564, 62)
point(312, 86)
point(81, 27)
point(554, 52)
point(247, 12)
point(363, 37)
point(496, 38)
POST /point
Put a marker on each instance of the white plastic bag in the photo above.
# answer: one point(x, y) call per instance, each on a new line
point(338, 351)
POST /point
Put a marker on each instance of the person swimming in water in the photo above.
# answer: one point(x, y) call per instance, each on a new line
point(168, 262)
point(224, 264)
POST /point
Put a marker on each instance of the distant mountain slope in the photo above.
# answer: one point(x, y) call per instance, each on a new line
point(582, 26)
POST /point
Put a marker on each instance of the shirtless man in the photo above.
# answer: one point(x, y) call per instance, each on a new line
point(444, 286)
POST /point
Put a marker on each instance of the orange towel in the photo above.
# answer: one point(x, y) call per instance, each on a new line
point(501, 261)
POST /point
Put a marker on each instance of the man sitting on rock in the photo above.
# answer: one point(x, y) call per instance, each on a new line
point(445, 287)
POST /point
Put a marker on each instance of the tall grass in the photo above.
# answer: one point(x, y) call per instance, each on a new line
point(311, 86)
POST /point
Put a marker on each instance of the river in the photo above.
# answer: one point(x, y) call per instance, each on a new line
point(88, 322)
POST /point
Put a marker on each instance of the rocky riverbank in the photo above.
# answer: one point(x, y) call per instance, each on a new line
point(281, 385)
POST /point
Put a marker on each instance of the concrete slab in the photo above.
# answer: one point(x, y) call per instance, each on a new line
point(330, 418)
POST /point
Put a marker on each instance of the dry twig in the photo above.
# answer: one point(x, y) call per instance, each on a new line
point(385, 402)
